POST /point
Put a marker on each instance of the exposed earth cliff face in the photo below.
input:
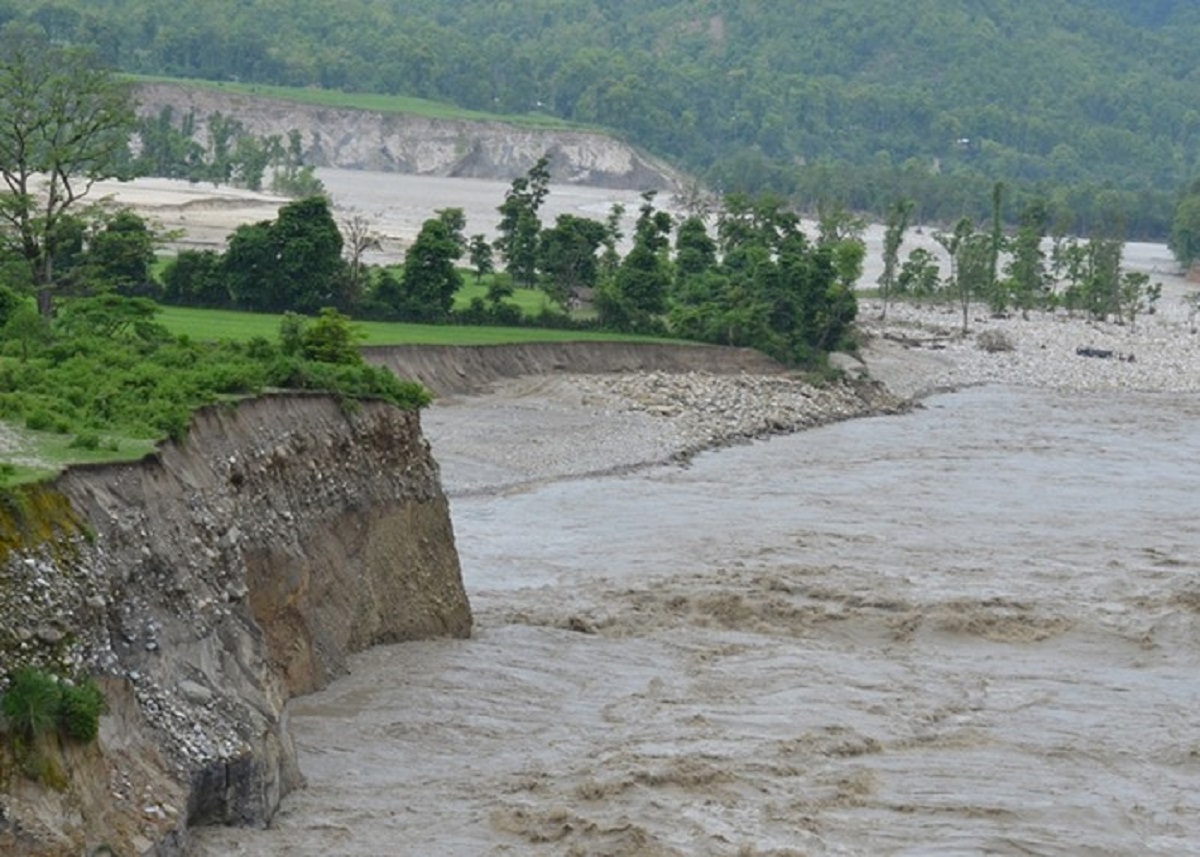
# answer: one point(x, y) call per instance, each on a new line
point(407, 143)
point(455, 369)
point(207, 584)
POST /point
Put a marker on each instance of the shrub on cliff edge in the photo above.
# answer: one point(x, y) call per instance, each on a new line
point(31, 704)
point(80, 709)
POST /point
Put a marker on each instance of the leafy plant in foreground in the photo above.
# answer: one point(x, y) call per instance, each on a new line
point(31, 704)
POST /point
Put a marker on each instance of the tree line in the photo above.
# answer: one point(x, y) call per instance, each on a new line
point(1037, 267)
point(167, 147)
point(757, 282)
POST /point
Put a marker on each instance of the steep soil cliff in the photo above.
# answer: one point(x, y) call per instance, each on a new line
point(207, 584)
point(451, 370)
point(408, 143)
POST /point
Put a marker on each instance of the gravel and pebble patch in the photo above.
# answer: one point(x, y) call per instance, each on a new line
point(536, 429)
point(1160, 353)
point(540, 428)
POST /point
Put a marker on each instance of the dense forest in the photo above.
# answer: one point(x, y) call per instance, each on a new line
point(1090, 104)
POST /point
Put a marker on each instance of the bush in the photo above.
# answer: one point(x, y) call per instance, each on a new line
point(331, 339)
point(994, 341)
point(85, 440)
point(80, 710)
point(32, 703)
point(37, 704)
point(9, 301)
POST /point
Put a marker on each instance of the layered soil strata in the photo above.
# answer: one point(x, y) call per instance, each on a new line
point(206, 585)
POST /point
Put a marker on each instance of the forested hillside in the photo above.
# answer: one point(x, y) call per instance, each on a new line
point(1092, 103)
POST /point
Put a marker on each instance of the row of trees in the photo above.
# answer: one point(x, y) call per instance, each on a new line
point(230, 154)
point(759, 281)
point(1034, 268)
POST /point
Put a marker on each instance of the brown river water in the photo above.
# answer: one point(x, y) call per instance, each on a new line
point(974, 629)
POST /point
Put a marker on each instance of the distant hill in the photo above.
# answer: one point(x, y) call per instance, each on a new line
point(1093, 103)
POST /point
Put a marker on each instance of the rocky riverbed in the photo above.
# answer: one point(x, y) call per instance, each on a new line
point(590, 424)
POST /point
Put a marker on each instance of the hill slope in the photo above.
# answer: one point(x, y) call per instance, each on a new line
point(755, 94)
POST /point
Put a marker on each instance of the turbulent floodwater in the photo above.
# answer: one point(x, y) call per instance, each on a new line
point(970, 630)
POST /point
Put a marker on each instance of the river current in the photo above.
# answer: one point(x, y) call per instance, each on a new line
point(973, 629)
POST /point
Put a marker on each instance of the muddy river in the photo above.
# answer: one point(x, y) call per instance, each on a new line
point(974, 629)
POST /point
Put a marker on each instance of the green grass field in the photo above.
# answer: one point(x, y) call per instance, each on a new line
point(365, 101)
point(210, 324)
point(44, 453)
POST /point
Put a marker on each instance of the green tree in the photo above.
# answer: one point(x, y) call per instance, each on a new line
point(997, 292)
point(956, 244)
point(842, 232)
point(1027, 277)
point(567, 257)
point(456, 225)
point(695, 250)
point(974, 269)
point(920, 275)
point(66, 126)
point(637, 295)
point(294, 262)
point(893, 237)
point(480, 253)
point(519, 227)
point(1101, 286)
point(610, 257)
point(194, 278)
point(121, 254)
point(1185, 229)
point(430, 278)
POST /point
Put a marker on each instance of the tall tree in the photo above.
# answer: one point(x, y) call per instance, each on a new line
point(842, 232)
point(695, 250)
point(480, 254)
point(637, 295)
point(120, 255)
point(1026, 269)
point(65, 123)
point(997, 295)
point(1185, 228)
point(293, 263)
point(430, 278)
point(567, 257)
point(519, 227)
point(893, 237)
point(955, 243)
